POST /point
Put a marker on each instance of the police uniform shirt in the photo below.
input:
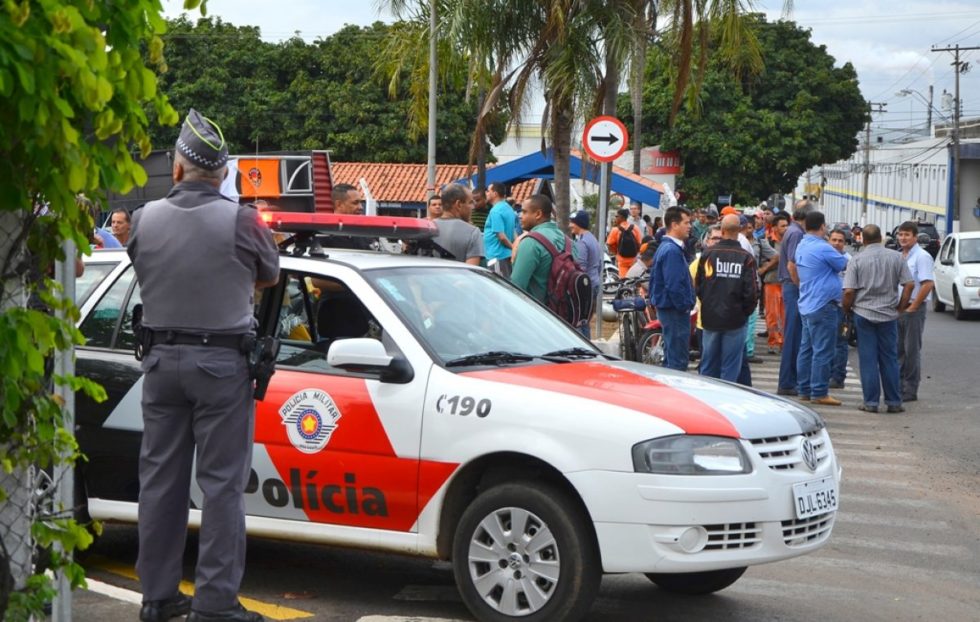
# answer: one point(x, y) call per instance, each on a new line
point(180, 248)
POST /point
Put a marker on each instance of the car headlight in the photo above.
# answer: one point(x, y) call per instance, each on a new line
point(971, 281)
point(691, 455)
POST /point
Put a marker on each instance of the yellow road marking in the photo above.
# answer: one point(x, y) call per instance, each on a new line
point(269, 610)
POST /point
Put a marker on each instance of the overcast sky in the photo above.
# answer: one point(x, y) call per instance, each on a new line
point(887, 41)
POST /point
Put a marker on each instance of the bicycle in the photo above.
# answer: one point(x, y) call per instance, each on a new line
point(630, 308)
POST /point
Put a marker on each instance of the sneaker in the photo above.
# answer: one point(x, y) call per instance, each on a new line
point(163, 610)
point(911, 398)
point(836, 384)
point(827, 400)
point(786, 392)
point(895, 409)
point(755, 359)
point(868, 408)
point(803, 398)
point(774, 350)
point(234, 614)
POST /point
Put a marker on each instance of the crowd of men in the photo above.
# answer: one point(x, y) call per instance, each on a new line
point(813, 295)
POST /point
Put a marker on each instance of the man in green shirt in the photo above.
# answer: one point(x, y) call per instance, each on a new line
point(532, 262)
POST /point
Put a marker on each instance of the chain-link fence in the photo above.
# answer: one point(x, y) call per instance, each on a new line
point(16, 511)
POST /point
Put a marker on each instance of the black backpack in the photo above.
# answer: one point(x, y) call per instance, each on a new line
point(627, 243)
point(569, 288)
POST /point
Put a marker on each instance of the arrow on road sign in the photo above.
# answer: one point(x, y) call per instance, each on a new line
point(611, 139)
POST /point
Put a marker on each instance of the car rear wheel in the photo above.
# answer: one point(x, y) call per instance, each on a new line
point(937, 305)
point(696, 583)
point(958, 312)
point(523, 550)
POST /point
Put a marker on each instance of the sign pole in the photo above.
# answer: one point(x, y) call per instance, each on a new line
point(602, 218)
point(604, 139)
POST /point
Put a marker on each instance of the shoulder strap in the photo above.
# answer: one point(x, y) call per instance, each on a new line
point(546, 243)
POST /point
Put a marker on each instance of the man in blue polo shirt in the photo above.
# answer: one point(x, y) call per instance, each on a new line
point(790, 282)
point(498, 233)
point(818, 265)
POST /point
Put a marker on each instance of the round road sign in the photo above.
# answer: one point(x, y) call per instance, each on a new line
point(605, 138)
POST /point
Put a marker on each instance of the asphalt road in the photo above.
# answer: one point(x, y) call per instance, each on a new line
point(905, 546)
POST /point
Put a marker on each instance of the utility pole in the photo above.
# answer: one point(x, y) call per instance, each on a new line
point(958, 68)
point(431, 188)
point(867, 157)
point(929, 110)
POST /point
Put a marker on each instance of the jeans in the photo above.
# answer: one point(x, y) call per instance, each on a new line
point(817, 350)
point(722, 353)
point(839, 372)
point(792, 334)
point(677, 337)
point(878, 360)
point(910, 328)
point(750, 333)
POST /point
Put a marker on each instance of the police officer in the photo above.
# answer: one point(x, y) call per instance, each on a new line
point(199, 257)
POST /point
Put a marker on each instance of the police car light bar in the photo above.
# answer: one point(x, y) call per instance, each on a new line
point(356, 225)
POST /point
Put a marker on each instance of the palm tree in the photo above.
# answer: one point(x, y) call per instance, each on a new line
point(576, 49)
point(458, 62)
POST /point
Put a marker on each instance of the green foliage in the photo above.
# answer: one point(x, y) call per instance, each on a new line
point(755, 135)
point(298, 96)
point(77, 80)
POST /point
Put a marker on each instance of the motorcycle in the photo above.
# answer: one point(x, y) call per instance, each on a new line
point(610, 275)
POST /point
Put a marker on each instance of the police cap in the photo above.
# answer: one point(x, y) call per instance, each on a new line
point(202, 142)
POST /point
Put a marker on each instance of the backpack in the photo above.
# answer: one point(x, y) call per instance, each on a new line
point(627, 243)
point(569, 291)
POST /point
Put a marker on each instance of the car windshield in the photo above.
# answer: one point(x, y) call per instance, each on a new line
point(468, 317)
point(970, 250)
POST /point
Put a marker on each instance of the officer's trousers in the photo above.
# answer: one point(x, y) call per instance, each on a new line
point(194, 397)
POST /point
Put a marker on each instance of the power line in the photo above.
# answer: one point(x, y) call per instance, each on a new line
point(959, 33)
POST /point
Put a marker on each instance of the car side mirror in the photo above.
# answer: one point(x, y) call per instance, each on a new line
point(368, 356)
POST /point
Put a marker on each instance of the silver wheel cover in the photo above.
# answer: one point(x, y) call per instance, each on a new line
point(513, 561)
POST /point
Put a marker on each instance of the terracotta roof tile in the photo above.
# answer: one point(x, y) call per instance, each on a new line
point(627, 174)
point(405, 183)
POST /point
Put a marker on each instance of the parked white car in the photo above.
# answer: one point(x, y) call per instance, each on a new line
point(957, 271)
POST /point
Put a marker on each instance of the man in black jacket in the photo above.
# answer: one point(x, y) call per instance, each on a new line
point(727, 284)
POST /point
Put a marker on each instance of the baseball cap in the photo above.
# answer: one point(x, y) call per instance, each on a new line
point(743, 221)
point(749, 212)
point(728, 209)
point(711, 211)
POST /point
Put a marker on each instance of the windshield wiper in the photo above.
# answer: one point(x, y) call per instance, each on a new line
point(494, 357)
point(573, 352)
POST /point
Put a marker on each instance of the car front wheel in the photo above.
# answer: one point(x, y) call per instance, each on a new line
point(958, 312)
point(937, 305)
point(696, 583)
point(523, 550)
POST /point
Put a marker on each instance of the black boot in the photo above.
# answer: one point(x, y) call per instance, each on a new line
point(234, 614)
point(163, 610)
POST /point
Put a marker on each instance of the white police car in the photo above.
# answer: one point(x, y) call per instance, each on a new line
point(427, 407)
